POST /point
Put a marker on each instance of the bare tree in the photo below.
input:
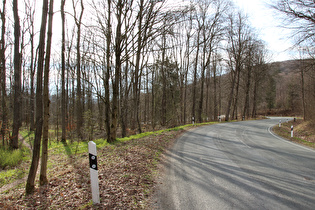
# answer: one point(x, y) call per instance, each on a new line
point(3, 74)
point(30, 12)
point(118, 52)
point(299, 16)
point(79, 110)
point(43, 170)
point(17, 79)
point(63, 71)
point(237, 39)
point(30, 184)
point(108, 34)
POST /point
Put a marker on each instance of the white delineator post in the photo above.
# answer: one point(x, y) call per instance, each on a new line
point(292, 131)
point(279, 123)
point(94, 172)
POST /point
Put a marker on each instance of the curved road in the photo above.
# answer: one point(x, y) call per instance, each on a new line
point(239, 165)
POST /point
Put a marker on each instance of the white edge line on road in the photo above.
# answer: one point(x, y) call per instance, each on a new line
point(289, 142)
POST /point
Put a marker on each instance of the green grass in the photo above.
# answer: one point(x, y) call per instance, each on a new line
point(82, 147)
point(78, 147)
point(10, 175)
point(11, 158)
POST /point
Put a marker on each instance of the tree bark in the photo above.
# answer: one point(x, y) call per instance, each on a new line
point(32, 75)
point(303, 91)
point(30, 184)
point(63, 70)
point(118, 52)
point(254, 99)
point(17, 79)
point(4, 126)
point(43, 170)
point(193, 110)
point(107, 73)
point(79, 110)
point(228, 109)
point(247, 88)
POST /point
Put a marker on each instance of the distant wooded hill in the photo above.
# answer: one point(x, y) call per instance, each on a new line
point(295, 85)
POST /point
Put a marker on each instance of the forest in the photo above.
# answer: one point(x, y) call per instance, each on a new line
point(113, 68)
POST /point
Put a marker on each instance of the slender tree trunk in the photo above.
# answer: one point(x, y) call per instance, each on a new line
point(153, 101)
point(63, 71)
point(17, 79)
point(195, 79)
point(163, 72)
point(235, 113)
point(137, 68)
point(303, 92)
point(255, 99)
point(228, 109)
point(32, 70)
point(3, 75)
point(43, 170)
point(107, 74)
point(246, 104)
point(202, 83)
point(118, 52)
point(30, 184)
point(215, 104)
point(32, 74)
point(79, 110)
point(125, 94)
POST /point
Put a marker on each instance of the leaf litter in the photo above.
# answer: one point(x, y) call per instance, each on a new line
point(126, 174)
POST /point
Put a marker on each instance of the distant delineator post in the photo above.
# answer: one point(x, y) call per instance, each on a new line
point(94, 172)
point(292, 131)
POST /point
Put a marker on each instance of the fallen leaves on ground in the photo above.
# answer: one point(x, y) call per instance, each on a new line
point(126, 178)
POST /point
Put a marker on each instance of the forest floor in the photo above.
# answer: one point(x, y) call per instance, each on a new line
point(127, 172)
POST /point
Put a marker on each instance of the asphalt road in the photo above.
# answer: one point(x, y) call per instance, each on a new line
point(239, 165)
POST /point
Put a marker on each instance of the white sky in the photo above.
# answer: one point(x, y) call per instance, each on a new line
point(267, 23)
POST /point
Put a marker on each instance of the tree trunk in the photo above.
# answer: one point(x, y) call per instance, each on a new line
point(32, 74)
point(124, 100)
point(118, 52)
point(163, 108)
point(228, 108)
point(79, 110)
point(254, 100)
point(303, 92)
point(195, 79)
point(202, 80)
point(43, 170)
point(17, 79)
point(30, 184)
point(215, 104)
point(235, 113)
point(3, 76)
point(63, 70)
point(107, 73)
point(137, 68)
point(246, 104)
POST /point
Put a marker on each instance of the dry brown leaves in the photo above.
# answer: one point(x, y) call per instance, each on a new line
point(125, 172)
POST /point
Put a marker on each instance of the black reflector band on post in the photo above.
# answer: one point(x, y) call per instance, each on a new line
point(93, 161)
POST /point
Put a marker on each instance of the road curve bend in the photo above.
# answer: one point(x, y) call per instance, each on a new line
point(239, 165)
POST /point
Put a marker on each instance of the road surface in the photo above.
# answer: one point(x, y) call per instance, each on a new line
point(239, 165)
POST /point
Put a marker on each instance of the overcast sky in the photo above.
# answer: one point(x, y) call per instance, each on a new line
point(267, 23)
